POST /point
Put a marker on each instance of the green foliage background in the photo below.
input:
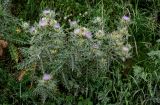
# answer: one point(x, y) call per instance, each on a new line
point(135, 81)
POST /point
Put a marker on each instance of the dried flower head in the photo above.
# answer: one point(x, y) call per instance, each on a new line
point(3, 44)
point(18, 30)
point(100, 34)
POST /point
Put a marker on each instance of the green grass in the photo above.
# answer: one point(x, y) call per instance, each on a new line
point(86, 81)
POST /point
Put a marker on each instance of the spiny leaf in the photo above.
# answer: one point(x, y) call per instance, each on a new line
point(13, 52)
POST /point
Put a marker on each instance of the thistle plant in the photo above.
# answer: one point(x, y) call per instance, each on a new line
point(119, 39)
point(47, 38)
point(45, 88)
point(74, 58)
point(81, 56)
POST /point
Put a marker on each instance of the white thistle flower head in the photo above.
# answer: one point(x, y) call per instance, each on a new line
point(48, 12)
point(43, 22)
point(83, 32)
point(47, 77)
point(126, 18)
point(86, 13)
point(57, 26)
point(88, 34)
point(73, 23)
point(65, 17)
point(125, 49)
point(95, 46)
point(77, 31)
point(33, 30)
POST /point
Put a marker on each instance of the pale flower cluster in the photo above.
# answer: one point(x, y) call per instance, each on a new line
point(82, 31)
point(119, 40)
point(44, 30)
point(82, 43)
point(100, 34)
point(97, 42)
point(47, 77)
point(47, 20)
point(97, 20)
